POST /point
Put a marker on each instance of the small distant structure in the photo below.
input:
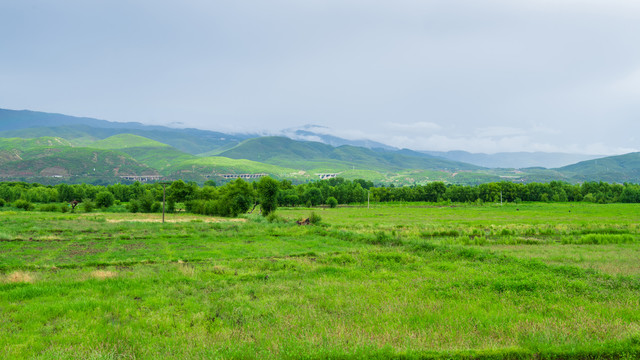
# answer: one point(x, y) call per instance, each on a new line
point(141, 178)
point(242, 176)
point(327, 176)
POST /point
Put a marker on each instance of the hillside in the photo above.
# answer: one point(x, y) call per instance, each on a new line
point(620, 169)
point(44, 159)
point(514, 160)
point(214, 167)
point(146, 151)
point(126, 141)
point(83, 131)
point(309, 155)
point(36, 144)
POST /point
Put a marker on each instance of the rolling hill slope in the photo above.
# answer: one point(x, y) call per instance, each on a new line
point(514, 160)
point(314, 155)
point(620, 168)
point(146, 151)
point(82, 131)
point(36, 145)
point(43, 158)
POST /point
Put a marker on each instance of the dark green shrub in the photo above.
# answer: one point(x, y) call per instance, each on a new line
point(49, 208)
point(2, 202)
point(133, 206)
point(332, 202)
point(88, 205)
point(24, 205)
point(171, 206)
point(156, 207)
point(104, 199)
point(146, 202)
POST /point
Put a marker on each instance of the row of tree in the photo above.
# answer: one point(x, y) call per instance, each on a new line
point(237, 197)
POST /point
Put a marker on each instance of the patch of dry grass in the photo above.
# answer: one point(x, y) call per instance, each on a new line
point(19, 277)
point(103, 274)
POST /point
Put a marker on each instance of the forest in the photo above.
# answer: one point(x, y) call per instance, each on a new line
point(238, 196)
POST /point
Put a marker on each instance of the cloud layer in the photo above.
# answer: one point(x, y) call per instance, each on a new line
point(496, 75)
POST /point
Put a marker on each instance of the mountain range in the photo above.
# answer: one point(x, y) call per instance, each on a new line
point(47, 148)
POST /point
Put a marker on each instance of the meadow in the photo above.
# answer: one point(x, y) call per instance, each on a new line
point(397, 280)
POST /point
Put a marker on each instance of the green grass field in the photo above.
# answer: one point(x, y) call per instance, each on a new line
point(525, 281)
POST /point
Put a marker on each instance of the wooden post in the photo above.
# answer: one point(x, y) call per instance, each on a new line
point(164, 196)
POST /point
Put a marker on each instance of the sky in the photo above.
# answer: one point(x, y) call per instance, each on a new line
point(482, 76)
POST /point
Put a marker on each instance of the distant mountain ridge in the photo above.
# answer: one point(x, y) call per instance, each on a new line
point(81, 152)
point(83, 131)
point(307, 133)
point(515, 160)
point(308, 155)
point(619, 168)
point(32, 124)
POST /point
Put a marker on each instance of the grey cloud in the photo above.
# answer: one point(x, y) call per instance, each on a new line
point(530, 74)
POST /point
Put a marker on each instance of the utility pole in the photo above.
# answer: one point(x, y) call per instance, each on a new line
point(164, 196)
point(500, 197)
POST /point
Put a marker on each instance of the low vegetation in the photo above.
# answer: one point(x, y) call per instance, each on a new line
point(397, 280)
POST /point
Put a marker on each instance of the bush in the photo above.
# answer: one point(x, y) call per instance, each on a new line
point(156, 207)
point(332, 202)
point(171, 206)
point(49, 208)
point(23, 204)
point(88, 205)
point(273, 218)
point(314, 218)
point(146, 202)
point(133, 206)
point(2, 202)
point(105, 199)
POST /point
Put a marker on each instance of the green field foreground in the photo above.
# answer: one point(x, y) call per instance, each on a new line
point(519, 281)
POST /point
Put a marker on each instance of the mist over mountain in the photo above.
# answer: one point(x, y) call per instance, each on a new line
point(324, 135)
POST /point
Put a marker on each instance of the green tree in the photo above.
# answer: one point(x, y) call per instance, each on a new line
point(105, 199)
point(313, 195)
point(268, 195)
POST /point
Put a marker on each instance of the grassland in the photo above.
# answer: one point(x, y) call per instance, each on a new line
point(543, 281)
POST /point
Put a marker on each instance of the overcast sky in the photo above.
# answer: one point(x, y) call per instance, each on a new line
point(481, 76)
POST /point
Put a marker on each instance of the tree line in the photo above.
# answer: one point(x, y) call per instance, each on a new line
point(238, 196)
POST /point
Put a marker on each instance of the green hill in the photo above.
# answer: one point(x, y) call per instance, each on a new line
point(620, 168)
point(81, 131)
point(187, 140)
point(202, 168)
point(309, 155)
point(146, 151)
point(125, 141)
point(15, 149)
point(53, 158)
